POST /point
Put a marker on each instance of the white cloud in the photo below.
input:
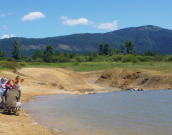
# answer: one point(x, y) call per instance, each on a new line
point(74, 22)
point(107, 26)
point(7, 36)
point(33, 16)
point(85, 21)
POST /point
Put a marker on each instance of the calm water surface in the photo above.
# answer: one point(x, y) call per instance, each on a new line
point(118, 113)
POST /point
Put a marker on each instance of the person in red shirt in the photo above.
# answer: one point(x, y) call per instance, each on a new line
point(8, 87)
point(8, 84)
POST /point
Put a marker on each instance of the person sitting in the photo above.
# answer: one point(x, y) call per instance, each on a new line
point(11, 102)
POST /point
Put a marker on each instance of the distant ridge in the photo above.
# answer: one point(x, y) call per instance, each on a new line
point(145, 38)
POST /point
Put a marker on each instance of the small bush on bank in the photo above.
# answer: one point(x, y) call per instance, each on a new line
point(11, 65)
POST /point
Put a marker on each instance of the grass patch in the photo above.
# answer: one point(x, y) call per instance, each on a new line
point(164, 67)
point(49, 65)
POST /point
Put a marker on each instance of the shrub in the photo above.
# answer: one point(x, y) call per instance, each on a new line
point(168, 58)
point(11, 65)
point(23, 64)
point(63, 59)
point(73, 60)
point(158, 58)
point(80, 59)
point(28, 59)
point(99, 59)
point(55, 59)
point(38, 60)
point(145, 58)
point(117, 57)
point(130, 58)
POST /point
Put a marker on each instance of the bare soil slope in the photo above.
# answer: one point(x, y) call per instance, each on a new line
point(60, 78)
point(125, 79)
point(41, 81)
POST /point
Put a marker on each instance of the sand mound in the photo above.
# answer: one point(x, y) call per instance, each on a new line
point(125, 79)
point(60, 78)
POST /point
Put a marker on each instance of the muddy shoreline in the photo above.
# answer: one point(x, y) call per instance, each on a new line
point(45, 81)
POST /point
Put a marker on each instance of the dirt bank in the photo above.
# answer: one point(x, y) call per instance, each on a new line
point(142, 79)
point(43, 81)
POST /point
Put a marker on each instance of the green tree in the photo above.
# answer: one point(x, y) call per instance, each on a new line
point(48, 54)
point(59, 53)
point(2, 54)
point(116, 51)
point(93, 54)
point(122, 48)
point(106, 49)
point(38, 54)
point(101, 49)
point(130, 47)
point(111, 52)
point(149, 53)
point(16, 51)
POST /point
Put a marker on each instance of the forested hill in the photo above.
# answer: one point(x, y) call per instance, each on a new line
point(145, 38)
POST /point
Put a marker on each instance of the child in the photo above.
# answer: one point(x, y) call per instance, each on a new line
point(8, 86)
point(18, 82)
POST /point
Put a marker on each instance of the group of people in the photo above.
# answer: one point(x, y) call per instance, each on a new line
point(10, 90)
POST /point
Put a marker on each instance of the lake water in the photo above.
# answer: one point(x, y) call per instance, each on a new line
point(117, 113)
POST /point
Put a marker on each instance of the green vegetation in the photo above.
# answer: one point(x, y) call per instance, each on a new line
point(94, 66)
point(163, 66)
point(155, 66)
point(16, 51)
point(125, 57)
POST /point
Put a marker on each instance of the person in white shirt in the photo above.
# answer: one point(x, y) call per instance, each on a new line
point(2, 89)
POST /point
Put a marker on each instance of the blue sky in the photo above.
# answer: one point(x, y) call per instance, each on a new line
point(48, 18)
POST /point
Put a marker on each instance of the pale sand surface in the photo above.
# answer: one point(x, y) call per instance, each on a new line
point(43, 81)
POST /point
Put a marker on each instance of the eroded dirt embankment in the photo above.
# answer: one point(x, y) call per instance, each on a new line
point(42, 81)
point(125, 79)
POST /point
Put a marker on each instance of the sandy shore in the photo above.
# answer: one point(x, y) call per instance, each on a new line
point(41, 81)
point(46, 81)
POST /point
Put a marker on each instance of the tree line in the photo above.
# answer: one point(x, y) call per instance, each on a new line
point(126, 53)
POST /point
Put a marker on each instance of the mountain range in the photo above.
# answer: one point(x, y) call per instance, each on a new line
point(145, 38)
